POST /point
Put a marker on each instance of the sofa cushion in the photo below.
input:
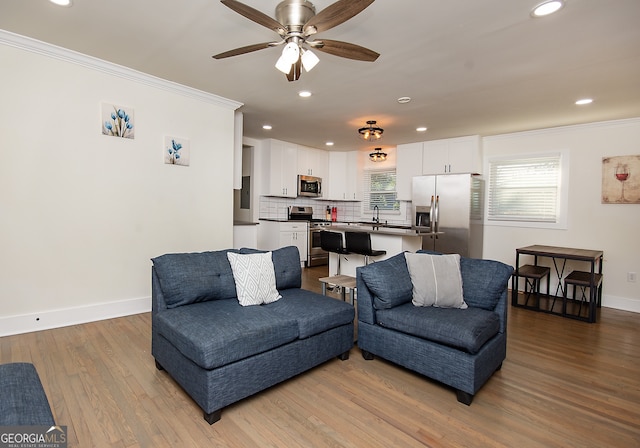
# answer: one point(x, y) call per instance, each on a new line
point(389, 281)
point(254, 278)
point(216, 333)
point(484, 281)
point(436, 280)
point(314, 313)
point(286, 264)
point(194, 277)
point(466, 329)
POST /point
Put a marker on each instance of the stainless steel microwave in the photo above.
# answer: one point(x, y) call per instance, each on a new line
point(309, 186)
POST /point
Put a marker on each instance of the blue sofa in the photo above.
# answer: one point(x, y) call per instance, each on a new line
point(221, 352)
point(458, 347)
point(23, 401)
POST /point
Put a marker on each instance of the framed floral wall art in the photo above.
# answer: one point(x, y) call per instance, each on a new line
point(621, 180)
point(176, 151)
point(117, 121)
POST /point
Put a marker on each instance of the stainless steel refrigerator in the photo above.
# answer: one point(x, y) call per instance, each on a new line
point(449, 207)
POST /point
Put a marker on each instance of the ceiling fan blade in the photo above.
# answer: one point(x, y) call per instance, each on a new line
point(243, 50)
point(255, 15)
point(296, 70)
point(345, 50)
point(334, 15)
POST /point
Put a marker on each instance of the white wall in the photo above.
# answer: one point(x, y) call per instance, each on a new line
point(83, 213)
point(612, 228)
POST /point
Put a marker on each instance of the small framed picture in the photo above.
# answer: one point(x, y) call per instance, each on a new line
point(117, 121)
point(621, 180)
point(176, 151)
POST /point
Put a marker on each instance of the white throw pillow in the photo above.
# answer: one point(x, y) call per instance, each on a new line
point(436, 280)
point(254, 277)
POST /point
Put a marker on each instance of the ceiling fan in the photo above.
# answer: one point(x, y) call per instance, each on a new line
point(296, 22)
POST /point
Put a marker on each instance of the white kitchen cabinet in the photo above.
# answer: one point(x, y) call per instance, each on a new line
point(295, 235)
point(281, 169)
point(452, 155)
point(408, 165)
point(343, 176)
point(277, 234)
point(313, 162)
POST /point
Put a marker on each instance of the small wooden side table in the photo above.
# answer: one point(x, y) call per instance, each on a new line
point(343, 281)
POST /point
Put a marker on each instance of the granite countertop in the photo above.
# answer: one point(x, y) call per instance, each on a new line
point(245, 223)
point(381, 229)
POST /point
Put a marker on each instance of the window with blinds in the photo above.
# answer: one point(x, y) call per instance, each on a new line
point(525, 189)
point(380, 189)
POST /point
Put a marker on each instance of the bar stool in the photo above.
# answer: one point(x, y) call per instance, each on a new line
point(332, 242)
point(360, 243)
point(582, 280)
point(532, 276)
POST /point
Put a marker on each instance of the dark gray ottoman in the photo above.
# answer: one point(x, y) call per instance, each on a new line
point(22, 400)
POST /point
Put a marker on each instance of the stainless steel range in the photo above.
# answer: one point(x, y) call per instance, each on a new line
point(315, 255)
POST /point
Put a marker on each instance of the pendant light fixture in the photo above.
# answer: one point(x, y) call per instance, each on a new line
point(371, 132)
point(378, 155)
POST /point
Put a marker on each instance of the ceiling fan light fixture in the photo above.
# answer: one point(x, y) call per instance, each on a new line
point(309, 60)
point(378, 155)
point(290, 55)
point(283, 65)
point(291, 52)
point(371, 132)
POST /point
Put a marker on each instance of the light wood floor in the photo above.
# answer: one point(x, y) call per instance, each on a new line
point(564, 384)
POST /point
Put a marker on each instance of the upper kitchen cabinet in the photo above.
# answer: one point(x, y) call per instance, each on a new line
point(342, 184)
point(408, 165)
point(452, 155)
point(281, 168)
point(313, 162)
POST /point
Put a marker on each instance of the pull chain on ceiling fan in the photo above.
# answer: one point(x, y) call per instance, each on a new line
point(296, 21)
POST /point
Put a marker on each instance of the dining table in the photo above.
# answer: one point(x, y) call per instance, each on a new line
point(559, 257)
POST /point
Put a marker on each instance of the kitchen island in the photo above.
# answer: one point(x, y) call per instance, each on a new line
point(392, 239)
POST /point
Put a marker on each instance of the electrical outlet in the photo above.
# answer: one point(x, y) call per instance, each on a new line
point(631, 277)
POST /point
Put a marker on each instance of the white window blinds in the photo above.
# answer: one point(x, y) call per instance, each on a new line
point(380, 189)
point(525, 189)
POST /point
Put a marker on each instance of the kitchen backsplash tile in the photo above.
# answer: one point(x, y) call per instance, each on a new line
point(278, 208)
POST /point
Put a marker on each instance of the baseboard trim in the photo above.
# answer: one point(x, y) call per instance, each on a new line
point(621, 303)
point(47, 320)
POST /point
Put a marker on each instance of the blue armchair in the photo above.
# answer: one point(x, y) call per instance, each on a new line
point(458, 347)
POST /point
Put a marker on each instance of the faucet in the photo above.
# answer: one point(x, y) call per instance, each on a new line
point(376, 214)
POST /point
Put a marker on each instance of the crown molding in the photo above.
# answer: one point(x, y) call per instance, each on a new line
point(557, 129)
point(109, 68)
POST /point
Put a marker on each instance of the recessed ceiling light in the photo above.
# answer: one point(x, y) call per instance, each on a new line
point(547, 7)
point(421, 129)
point(61, 2)
point(267, 127)
point(584, 101)
point(404, 99)
point(329, 143)
point(304, 94)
